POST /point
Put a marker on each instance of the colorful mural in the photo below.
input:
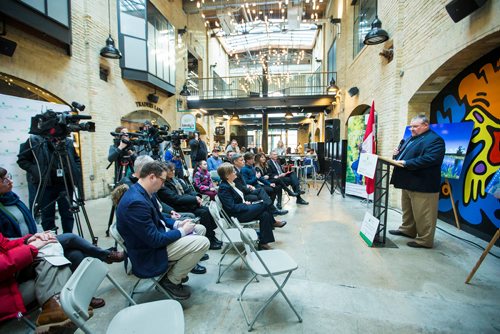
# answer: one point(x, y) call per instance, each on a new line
point(474, 95)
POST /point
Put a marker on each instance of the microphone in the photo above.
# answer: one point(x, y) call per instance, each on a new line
point(401, 143)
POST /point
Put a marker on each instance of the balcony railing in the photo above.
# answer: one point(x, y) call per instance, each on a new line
point(288, 84)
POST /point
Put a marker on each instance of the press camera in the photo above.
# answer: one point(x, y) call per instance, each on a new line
point(55, 124)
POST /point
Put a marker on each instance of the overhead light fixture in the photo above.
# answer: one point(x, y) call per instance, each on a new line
point(376, 35)
point(332, 89)
point(153, 98)
point(288, 115)
point(235, 117)
point(110, 51)
point(185, 91)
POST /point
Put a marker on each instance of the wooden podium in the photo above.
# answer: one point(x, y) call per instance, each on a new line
point(381, 197)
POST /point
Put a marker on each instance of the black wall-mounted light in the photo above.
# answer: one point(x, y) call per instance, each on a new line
point(110, 51)
point(376, 35)
point(185, 91)
point(153, 98)
point(332, 89)
point(353, 91)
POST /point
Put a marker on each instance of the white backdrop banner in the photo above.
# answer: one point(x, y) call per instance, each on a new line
point(15, 121)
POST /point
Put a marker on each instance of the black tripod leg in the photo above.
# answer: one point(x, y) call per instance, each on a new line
point(110, 220)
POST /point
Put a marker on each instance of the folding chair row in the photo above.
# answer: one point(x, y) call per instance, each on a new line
point(153, 317)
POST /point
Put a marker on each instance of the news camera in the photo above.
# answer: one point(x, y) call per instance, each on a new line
point(176, 136)
point(134, 138)
point(55, 124)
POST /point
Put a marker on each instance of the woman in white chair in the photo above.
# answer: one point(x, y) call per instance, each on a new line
point(234, 204)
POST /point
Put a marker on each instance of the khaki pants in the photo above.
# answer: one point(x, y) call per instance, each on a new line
point(186, 251)
point(420, 212)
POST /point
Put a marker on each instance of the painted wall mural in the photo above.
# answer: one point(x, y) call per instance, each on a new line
point(474, 95)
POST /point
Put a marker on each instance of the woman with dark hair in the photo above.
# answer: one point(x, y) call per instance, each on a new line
point(235, 205)
point(16, 221)
point(261, 167)
point(203, 181)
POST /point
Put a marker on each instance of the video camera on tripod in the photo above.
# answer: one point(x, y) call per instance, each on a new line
point(54, 124)
point(134, 138)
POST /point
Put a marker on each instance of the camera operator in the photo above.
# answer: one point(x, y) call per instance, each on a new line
point(122, 154)
point(199, 151)
point(174, 155)
point(35, 160)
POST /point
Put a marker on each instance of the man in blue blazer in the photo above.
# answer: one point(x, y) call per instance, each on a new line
point(152, 241)
point(420, 178)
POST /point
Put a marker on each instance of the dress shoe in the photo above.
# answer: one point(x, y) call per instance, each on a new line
point(199, 269)
point(302, 192)
point(52, 318)
point(97, 302)
point(176, 290)
point(278, 206)
point(264, 247)
point(115, 256)
point(205, 257)
point(185, 279)
point(398, 232)
point(215, 245)
point(280, 212)
point(416, 245)
point(302, 201)
point(280, 224)
point(290, 193)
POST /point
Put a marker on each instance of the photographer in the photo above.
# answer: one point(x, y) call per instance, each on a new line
point(174, 155)
point(122, 154)
point(35, 160)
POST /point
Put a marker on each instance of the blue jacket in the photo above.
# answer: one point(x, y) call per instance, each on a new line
point(250, 176)
point(213, 163)
point(423, 160)
point(138, 221)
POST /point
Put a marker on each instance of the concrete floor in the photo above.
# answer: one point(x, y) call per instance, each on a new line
point(341, 286)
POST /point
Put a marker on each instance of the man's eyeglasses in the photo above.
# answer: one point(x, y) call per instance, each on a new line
point(163, 179)
point(7, 178)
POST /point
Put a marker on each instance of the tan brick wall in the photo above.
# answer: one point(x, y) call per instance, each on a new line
point(76, 78)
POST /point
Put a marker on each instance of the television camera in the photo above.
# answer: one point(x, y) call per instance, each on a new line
point(54, 124)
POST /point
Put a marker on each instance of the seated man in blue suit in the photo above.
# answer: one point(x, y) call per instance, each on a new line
point(153, 240)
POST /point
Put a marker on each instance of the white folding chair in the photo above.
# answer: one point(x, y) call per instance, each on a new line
point(155, 280)
point(231, 238)
point(254, 223)
point(153, 317)
point(267, 263)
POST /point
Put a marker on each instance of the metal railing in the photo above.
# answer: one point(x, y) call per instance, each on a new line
point(283, 84)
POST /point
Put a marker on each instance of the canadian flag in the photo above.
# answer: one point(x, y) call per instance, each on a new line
point(368, 145)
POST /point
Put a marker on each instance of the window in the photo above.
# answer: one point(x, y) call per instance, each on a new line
point(148, 43)
point(364, 14)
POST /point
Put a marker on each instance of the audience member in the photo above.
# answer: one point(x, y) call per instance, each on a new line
point(280, 148)
point(235, 205)
point(21, 261)
point(213, 163)
point(287, 179)
point(262, 170)
point(233, 147)
point(152, 240)
point(203, 181)
point(178, 195)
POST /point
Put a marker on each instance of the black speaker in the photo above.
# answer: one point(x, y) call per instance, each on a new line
point(7, 47)
point(153, 98)
point(332, 131)
point(458, 9)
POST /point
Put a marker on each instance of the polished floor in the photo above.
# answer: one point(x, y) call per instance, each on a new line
point(341, 286)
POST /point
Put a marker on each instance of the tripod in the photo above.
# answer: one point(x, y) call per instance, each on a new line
point(60, 159)
point(332, 182)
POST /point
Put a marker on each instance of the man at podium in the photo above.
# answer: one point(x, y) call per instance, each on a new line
point(421, 156)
